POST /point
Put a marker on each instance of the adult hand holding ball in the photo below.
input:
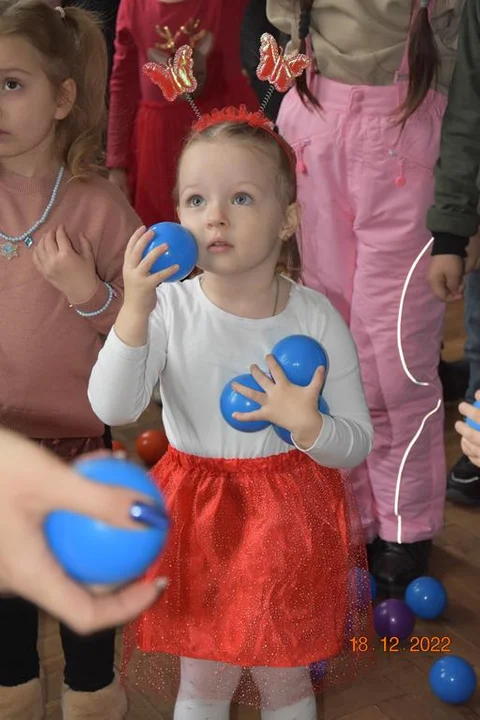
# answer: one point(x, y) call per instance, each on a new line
point(94, 553)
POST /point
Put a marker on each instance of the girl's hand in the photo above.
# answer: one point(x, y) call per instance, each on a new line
point(285, 404)
point(470, 442)
point(72, 272)
point(140, 285)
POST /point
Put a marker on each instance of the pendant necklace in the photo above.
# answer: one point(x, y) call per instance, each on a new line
point(8, 248)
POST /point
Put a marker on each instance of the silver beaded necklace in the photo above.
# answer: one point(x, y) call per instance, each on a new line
point(9, 249)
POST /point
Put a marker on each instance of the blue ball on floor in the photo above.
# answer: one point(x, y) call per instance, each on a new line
point(426, 597)
point(232, 401)
point(286, 435)
point(470, 422)
point(182, 249)
point(453, 679)
point(95, 553)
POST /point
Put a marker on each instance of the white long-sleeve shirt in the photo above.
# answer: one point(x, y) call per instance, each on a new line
point(195, 348)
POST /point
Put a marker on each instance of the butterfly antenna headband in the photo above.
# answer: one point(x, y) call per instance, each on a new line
point(176, 79)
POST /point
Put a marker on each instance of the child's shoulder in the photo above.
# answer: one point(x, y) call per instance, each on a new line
point(96, 194)
point(309, 297)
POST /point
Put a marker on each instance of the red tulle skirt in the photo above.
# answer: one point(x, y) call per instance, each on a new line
point(267, 568)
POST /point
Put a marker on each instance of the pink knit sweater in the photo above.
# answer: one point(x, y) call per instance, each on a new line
point(46, 349)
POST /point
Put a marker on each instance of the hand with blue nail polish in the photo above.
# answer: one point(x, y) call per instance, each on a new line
point(33, 484)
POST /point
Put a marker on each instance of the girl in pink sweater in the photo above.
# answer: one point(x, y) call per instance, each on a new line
point(63, 230)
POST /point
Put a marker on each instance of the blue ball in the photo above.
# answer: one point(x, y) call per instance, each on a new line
point(373, 588)
point(182, 249)
point(426, 597)
point(470, 422)
point(453, 679)
point(232, 401)
point(299, 356)
point(285, 434)
point(92, 552)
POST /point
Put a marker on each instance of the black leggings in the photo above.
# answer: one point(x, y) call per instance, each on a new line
point(88, 659)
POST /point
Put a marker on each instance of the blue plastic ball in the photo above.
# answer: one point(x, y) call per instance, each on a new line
point(299, 356)
point(285, 434)
point(95, 553)
point(426, 597)
point(182, 249)
point(453, 679)
point(373, 588)
point(232, 401)
point(470, 422)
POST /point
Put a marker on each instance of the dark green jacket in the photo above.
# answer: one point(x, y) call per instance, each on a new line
point(454, 218)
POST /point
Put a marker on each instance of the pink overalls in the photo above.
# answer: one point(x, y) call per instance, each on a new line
point(364, 190)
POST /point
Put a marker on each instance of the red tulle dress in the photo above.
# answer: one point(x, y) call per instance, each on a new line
point(267, 568)
point(146, 132)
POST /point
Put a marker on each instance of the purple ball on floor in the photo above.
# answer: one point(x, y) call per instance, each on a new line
point(393, 618)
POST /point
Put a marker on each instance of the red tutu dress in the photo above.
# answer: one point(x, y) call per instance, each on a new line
point(267, 568)
point(145, 131)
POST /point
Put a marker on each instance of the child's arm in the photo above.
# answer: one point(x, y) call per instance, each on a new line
point(124, 89)
point(346, 435)
point(470, 436)
point(342, 440)
point(132, 359)
point(88, 271)
point(454, 217)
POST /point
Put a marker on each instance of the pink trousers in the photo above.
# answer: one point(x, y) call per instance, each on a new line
point(364, 190)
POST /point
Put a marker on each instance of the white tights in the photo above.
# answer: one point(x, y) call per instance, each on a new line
point(207, 688)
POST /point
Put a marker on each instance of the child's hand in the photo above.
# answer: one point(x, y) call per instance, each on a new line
point(445, 276)
point(290, 406)
point(70, 271)
point(470, 442)
point(140, 285)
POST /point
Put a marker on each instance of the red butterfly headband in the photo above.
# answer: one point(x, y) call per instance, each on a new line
point(175, 79)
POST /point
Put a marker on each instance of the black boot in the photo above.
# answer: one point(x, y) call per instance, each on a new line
point(463, 483)
point(454, 377)
point(395, 565)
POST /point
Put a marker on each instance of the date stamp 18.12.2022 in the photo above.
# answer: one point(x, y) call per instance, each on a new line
point(413, 644)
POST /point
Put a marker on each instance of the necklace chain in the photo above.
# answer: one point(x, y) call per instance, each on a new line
point(8, 248)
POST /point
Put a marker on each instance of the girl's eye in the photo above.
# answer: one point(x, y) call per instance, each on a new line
point(10, 85)
point(195, 201)
point(242, 199)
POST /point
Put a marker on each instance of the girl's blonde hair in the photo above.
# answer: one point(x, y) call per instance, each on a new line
point(283, 157)
point(71, 45)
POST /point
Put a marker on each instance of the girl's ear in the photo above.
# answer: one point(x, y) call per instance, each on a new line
point(291, 222)
point(66, 99)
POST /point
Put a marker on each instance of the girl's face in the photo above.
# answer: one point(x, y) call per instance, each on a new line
point(229, 199)
point(29, 107)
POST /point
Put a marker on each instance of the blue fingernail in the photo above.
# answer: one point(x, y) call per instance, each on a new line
point(151, 515)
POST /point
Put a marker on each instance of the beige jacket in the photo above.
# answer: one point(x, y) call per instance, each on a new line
point(362, 42)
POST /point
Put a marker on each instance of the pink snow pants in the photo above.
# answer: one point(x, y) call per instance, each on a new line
point(364, 190)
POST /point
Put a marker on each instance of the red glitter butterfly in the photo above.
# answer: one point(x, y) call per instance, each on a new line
point(278, 68)
point(175, 77)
